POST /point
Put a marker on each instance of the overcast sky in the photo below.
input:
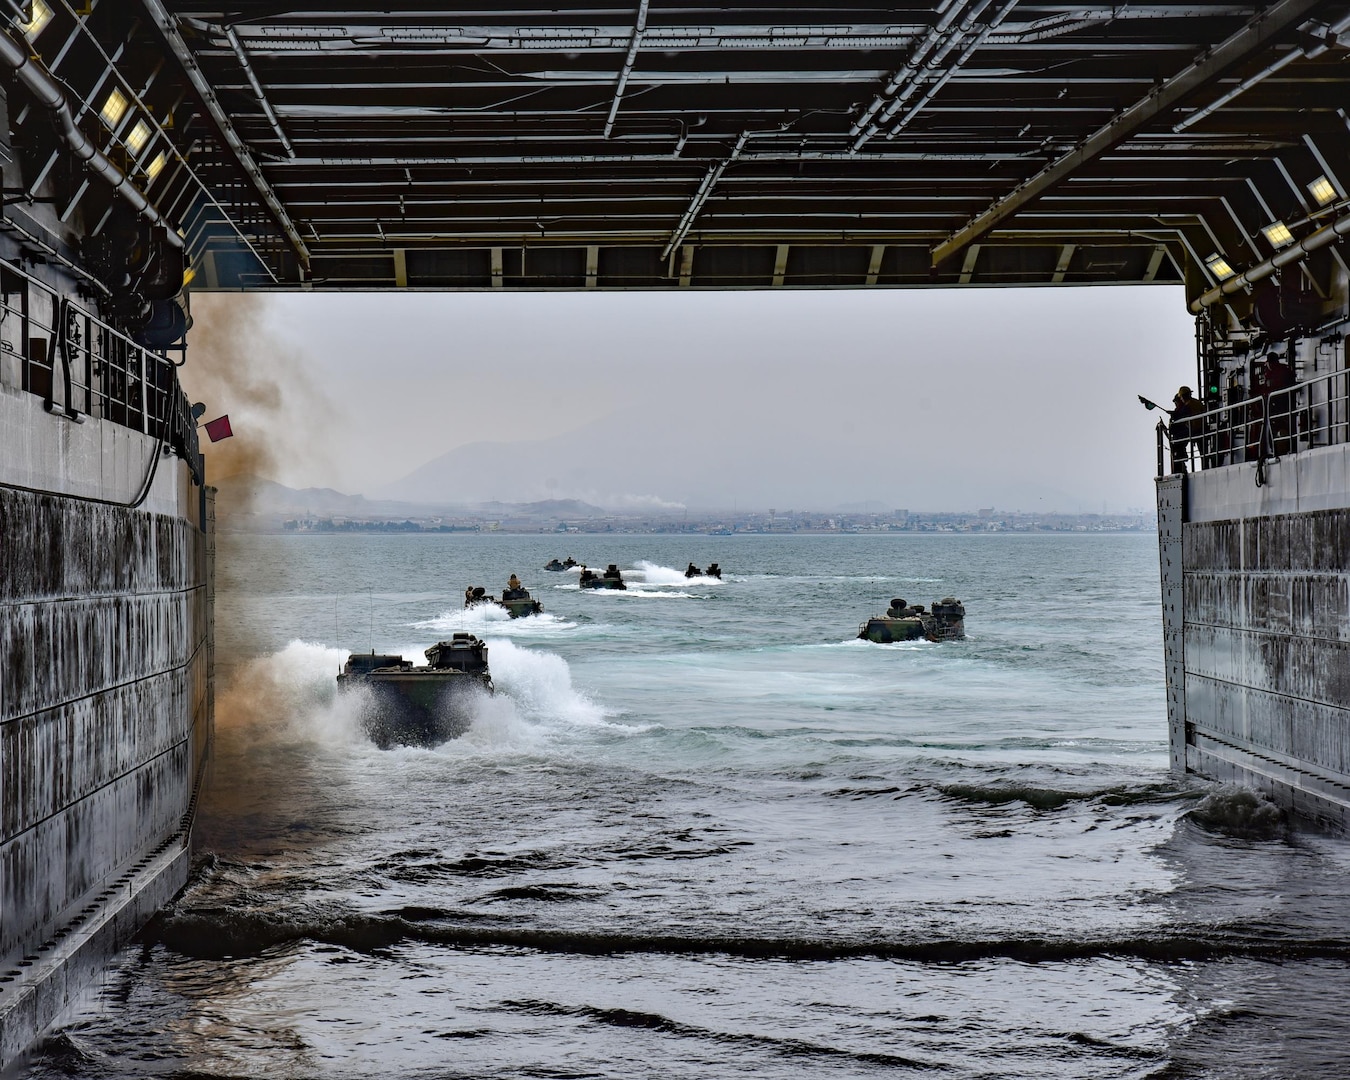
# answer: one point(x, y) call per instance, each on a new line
point(923, 399)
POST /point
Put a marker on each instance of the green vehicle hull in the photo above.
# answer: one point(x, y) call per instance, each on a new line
point(886, 631)
point(946, 621)
point(520, 608)
point(419, 706)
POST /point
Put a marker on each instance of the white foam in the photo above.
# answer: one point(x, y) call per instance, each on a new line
point(291, 695)
point(864, 643)
point(655, 574)
point(540, 684)
point(634, 590)
point(292, 692)
point(498, 728)
point(492, 618)
point(536, 706)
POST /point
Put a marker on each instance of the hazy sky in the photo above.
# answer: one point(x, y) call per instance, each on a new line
point(926, 399)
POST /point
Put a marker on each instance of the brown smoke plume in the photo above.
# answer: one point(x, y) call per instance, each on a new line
point(238, 364)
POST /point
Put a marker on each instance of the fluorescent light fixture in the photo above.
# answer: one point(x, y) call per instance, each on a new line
point(157, 166)
point(37, 22)
point(140, 135)
point(1323, 191)
point(1218, 266)
point(1277, 232)
point(114, 108)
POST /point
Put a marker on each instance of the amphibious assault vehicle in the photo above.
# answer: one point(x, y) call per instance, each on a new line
point(903, 622)
point(419, 706)
point(610, 579)
point(518, 602)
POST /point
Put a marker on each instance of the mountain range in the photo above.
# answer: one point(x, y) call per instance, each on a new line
point(258, 496)
point(725, 454)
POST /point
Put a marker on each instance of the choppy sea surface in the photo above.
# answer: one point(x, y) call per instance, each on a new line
point(702, 831)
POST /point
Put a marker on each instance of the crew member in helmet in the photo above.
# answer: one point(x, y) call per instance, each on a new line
point(1183, 430)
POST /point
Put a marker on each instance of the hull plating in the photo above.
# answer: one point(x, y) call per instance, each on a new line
point(1256, 619)
point(105, 699)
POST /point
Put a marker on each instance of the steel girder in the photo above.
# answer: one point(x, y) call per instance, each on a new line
point(337, 144)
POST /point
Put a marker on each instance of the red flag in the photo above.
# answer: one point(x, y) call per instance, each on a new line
point(218, 429)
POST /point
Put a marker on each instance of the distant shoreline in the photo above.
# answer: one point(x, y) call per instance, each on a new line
point(228, 525)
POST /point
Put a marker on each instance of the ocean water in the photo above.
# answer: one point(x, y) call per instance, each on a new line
point(702, 831)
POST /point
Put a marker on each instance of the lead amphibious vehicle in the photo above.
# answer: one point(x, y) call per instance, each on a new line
point(419, 706)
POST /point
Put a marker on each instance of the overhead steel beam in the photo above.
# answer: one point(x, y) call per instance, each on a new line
point(167, 26)
point(897, 157)
point(1279, 17)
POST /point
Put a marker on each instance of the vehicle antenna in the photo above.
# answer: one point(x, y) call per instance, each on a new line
point(372, 622)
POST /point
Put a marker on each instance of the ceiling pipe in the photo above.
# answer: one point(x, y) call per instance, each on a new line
point(1284, 61)
point(258, 91)
point(291, 39)
point(639, 28)
point(1241, 88)
point(959, 63)
point(932, 64)
point(701, 196)
point(1294, 253)
point(860, 126)
point(39, 82)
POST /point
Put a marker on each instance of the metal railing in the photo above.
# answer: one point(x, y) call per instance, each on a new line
point(82, 366)
point(1265, 427)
